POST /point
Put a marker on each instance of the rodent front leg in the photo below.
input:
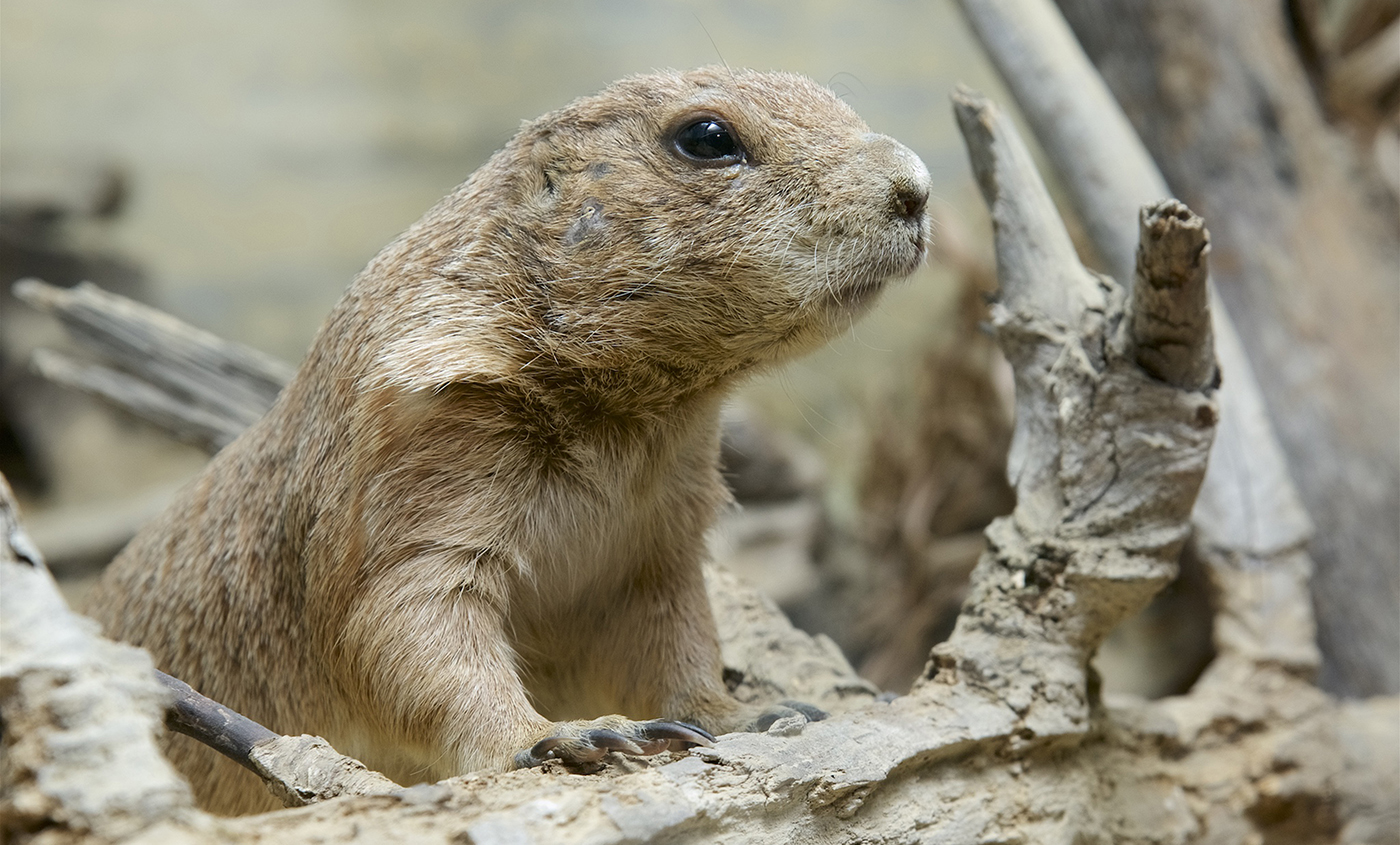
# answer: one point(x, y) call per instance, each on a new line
point(435, 665)
point(658, 642)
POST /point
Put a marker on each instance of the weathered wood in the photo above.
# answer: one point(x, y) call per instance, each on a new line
point(1100, 516)
point(80, 713)
point(304, 770)
point(1171, 334)
point(196, 384)
point(1249, 517)
point(1306, 257)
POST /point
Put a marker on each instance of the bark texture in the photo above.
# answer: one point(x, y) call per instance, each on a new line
point(80, 714)
point(1307, 260)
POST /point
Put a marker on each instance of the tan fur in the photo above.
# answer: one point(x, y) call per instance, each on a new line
point(479, 507)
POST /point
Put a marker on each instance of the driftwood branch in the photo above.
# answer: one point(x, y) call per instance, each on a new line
point(1251, 525)
point(1100, 514)
point(191, 383)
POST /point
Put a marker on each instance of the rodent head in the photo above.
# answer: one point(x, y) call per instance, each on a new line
point(705, 222)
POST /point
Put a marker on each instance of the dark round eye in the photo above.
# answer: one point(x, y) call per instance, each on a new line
point(709, 141)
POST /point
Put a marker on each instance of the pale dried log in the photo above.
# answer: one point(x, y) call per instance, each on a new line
point(1106, 459)
point(1251, 523)
point(77, 709)
point(1306, 256)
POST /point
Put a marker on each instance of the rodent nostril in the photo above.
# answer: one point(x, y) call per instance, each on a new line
point(910, 200)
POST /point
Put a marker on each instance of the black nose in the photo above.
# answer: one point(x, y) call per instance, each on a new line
point(910, 198)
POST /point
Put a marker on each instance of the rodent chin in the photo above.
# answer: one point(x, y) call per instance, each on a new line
point(858, 292)
point(860, 296)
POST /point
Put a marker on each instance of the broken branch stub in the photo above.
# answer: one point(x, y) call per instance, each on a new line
point(1170, 332)
point(1106, 457)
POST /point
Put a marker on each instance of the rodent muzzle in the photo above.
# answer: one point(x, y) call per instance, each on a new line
point(909, 178)
point(909, 189)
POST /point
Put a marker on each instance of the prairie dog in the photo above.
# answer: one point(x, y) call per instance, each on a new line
point(469, 533)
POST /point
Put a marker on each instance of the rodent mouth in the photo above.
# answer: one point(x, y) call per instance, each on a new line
point(864, 265)
point(898, 263)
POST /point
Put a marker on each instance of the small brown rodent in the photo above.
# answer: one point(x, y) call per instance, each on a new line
point(478, 510)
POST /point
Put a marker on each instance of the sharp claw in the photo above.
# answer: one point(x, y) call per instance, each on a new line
point(608, 740)
point(538, 754)
point(590, 745)
point(676, 731)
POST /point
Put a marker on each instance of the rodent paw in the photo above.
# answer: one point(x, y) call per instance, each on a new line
point(783, 709)
point(578, 743)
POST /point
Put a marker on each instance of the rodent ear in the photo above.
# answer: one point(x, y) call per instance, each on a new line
point(541, 176)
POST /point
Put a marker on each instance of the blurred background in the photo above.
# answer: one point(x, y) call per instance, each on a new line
point(236, 163)
point(243, 161)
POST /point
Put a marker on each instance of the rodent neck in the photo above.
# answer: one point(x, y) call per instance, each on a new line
point(646, 391)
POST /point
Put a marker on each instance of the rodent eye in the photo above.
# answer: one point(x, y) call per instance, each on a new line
point(709, 141)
